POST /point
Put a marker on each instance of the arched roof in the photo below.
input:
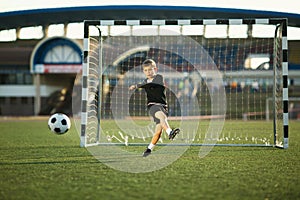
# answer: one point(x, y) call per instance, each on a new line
point(47, 16)
point(53, 54)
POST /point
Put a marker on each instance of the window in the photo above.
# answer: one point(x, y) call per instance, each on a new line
point(257, 61)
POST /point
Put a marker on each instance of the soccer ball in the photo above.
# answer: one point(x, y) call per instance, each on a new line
point(59, 123)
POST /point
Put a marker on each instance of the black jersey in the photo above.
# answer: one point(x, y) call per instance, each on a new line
point(156, 91)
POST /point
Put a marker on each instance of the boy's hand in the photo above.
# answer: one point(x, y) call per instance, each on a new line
point(132, 87)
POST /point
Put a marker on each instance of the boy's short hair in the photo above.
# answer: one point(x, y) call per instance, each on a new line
point(149, 62)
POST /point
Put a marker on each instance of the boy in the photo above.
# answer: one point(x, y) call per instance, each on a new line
point(156, 103)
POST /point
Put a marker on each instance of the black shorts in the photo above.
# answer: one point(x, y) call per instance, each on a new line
point(155, 108)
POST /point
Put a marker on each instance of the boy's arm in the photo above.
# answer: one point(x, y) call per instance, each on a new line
point(139, 85)
point(159, 80)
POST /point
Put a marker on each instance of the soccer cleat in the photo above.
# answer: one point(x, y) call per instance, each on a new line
point(173, 133)
point(147, 152)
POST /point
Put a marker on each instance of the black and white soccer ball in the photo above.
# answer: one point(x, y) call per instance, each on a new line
point(59, 123)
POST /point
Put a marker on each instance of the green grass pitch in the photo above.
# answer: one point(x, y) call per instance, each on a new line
point(37, 164)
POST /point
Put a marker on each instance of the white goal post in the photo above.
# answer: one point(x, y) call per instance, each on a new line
point(219, 76)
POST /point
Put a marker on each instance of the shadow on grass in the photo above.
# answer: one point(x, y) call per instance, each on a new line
point(50, 162)
point(45, 155)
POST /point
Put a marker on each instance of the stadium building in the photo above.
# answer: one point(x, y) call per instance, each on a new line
point(41, 50)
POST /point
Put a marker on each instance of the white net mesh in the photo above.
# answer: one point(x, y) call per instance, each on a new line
point(218, 89)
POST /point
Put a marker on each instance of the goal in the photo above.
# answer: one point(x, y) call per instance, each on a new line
point(219, 74)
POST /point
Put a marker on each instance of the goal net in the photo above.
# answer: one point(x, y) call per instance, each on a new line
point(220, 75)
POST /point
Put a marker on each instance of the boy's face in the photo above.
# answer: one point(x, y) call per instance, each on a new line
point(149, 71)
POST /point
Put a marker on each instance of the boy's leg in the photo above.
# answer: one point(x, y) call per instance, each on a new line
point(165, 125)
point(162, 124)
point(157, 134)
point(163, 121)
point(155, 138)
